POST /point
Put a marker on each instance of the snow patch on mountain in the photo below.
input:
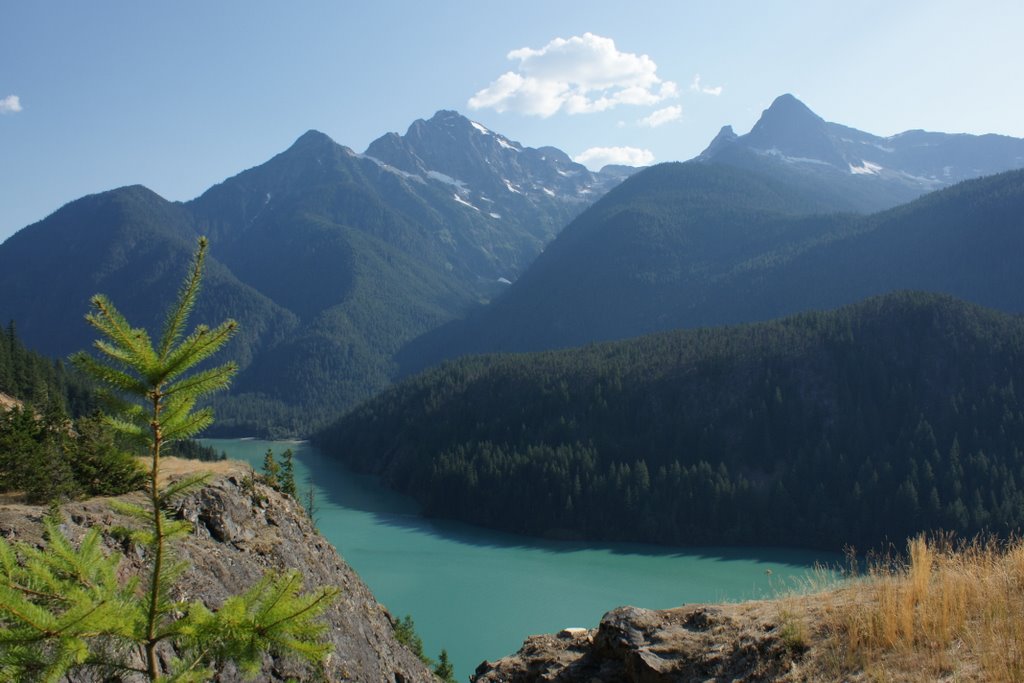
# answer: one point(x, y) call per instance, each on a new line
point(462, 201)
point(446, 179)
point(866, 168)
point(391, 169)
point(505, 143)
point(776, 152)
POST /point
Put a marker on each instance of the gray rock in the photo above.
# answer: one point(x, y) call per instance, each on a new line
point(633, 645)
point(240, 533)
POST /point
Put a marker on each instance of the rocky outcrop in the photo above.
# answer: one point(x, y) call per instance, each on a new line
point(8, 402)
point(742, 642)
point(241, 531)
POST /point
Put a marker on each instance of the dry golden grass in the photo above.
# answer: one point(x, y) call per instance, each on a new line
point(945, 612)
point(172, 467)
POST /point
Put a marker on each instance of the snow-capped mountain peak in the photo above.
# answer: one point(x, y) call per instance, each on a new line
point(488, 164)
point(873, 172)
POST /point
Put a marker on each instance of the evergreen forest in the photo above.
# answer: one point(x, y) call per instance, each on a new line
point(851, 427)
point(53, 444)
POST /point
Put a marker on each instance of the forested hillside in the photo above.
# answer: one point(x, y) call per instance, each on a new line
point(849, 427)
point(133, 245)
point(53, 443)
point(657, 243)
point(39, 381)
point(691, 245)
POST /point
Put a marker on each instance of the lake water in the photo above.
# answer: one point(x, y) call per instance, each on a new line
point(479, 593)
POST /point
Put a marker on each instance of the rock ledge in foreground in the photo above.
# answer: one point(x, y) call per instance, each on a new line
point(241, 531)
point(739, 642)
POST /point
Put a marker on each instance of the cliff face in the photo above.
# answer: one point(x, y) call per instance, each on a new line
point(240, 532)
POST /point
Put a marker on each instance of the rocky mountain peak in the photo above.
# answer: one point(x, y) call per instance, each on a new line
point(447, 117)
point(311, 140)
point(447, 139)
point(789, 127)
point(725, 137)
point(786, 107)
point(866, 171)
point(443, 123)
point(487, 167)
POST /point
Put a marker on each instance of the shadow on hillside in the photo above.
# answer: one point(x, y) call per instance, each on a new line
point(344, 488)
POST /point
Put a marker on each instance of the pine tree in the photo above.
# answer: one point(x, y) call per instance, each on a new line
point(270, 470)
point(287, 478)
point(310, 505)
point(62, 607)
point(100, 466)
point(444, 669)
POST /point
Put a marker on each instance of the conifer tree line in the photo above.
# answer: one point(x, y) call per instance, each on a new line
point(40, 381)
point(280, 476)
point(64, 608)
point(855, 427)
point(54, 446)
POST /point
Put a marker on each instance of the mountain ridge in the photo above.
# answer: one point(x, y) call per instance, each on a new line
point(329, 258)
point(867, 171)
point(651, 256)
point(337, 261)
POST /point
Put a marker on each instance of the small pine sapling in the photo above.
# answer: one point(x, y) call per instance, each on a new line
point(270, 470)
point(287, 477)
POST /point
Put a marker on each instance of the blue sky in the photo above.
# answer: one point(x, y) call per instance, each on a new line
point(178, 96)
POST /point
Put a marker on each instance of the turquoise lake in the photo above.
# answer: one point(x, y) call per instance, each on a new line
point(479, 593)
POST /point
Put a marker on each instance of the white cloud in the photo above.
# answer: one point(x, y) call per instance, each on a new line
point(597, 157)
point(578, 75)
point(662, 116)
point(697, 87)
point(10, 104)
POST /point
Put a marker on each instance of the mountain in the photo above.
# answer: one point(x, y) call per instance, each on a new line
point(134, 245)
point(697, 244)
point(874, 421)
point(528, 194)
point(331, 260)
point(335, 261)
point(531, 193)
point(858, 170)
point(967, 240)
